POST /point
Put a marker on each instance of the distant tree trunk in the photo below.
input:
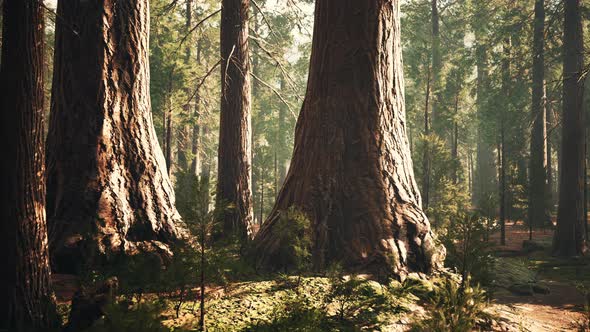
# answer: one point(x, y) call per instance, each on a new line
point(234, 157)
point(27, 299)
point(550, 185)
point(436, 69)
point(120, 200)
point(455, 149)
point(261, 194)
point(276, 171)
point(196, 132)
point(183, 132)
point(282, 155)
point(426, 156)
point(538, 215)
point(502, 160)
point(569, 236)
point(471, 171)
point(351, 172)
point(206, 164)
point(502, 175)
point(484, 179)
point(168, 126)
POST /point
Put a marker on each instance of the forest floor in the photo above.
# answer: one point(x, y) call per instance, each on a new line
point(547, 298)
point(559, 310)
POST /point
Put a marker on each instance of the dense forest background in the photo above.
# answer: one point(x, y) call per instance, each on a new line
point(453, 105)
point(465, 92)
point(396, 165)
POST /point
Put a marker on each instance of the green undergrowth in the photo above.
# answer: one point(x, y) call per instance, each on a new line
point(335, 302)
point(570, 270)
point(512, 270)
point(294, 303)
point(541, 265)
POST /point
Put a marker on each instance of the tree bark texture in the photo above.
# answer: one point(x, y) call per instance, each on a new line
point(538, 212)
point(569, 236)
point(108, 190)
point(234, 185)
point(351, 172)
point(27, 299)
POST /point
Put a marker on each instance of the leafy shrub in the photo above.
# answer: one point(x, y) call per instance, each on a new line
point(446, 198)
point(466, 250)
point(454, 307)
point(292, 231)
point(140, 317)
point(296, 313)
point(359, 302)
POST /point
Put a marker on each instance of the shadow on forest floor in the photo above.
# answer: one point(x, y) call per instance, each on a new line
point(562, 307)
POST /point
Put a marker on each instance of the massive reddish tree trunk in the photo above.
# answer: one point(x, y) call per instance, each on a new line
point(26, 297)
point(351, 172)
point(108, 190)
point(234, 185)
point(538, 213)
point(569, 236)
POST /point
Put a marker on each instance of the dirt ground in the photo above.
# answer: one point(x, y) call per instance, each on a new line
point(557, 311)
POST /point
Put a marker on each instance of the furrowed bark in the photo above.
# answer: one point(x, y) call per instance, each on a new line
point(351, 172)
point(108, 190)
point(25, 290)
point(569, 239)
point(234, 187)
point(538, 212)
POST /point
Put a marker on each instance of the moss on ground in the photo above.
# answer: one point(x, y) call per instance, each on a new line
point(244, 305)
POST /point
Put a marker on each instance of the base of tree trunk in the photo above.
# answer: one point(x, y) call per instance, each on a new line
point(403, 246)
point(78, 253)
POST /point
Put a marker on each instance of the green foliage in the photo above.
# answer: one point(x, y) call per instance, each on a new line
point(296, 313)
point(359, 302)
point(447, 197)
point(138, 317)
point(512, 271)
point(348, 303)
point(454, 307)
point(292, 231)
point(466, 249)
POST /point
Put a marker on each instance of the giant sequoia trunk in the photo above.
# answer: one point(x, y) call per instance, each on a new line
point(538, 213)
point(569, 236)
point(25, 290)
point(234, 185)
point(108, 191)
point(351, 172)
